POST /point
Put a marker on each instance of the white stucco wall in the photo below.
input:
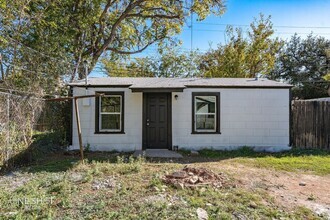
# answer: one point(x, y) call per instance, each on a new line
point(248, 117)
point(130, 141)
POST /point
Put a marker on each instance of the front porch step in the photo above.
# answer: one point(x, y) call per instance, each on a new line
point(157, 153)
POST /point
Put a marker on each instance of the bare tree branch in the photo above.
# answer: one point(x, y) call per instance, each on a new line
point(154, 16)
point(106, 43)
point(136, 51)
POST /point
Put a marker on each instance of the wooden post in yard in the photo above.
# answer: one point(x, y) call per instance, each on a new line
point(1, 69)
point(77, 115)
point(79, 128)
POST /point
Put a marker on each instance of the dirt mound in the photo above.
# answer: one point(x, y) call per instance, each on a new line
point(194, 177)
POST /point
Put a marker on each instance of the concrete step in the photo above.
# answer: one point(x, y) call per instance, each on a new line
point(157, 153)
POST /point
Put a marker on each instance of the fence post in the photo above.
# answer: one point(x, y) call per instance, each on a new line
point(8, 127)
point(79, 128)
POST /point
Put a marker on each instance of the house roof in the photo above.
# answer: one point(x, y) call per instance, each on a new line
point(326, 99)
point(178, 83)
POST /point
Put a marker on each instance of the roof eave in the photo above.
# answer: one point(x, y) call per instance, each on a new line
point(157, 89)
point(241, 86)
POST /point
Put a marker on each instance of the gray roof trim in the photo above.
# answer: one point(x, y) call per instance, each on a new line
point(153, 83)
point(240, 87)
point(324, 99)
point(100, 86)
point(155, 90)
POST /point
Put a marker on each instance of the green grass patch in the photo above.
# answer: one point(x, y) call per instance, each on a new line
point(316, 164)
point(295, 160)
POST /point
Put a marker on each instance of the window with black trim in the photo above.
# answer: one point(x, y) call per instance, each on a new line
point(205, 113)
point(109, 113)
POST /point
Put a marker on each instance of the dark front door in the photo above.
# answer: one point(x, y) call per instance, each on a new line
point(157, 121)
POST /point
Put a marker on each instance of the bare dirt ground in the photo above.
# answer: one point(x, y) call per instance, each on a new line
point(289, 189)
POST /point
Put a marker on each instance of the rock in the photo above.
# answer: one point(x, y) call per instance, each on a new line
point(239, 216)
point(179, 175)
point(193, 152)
point(96, 187)
point(156, 188)
point(99, 184)
point(202, 214)
point(302, 184)
point(179, 185)
point(190, 176)
point(193, 179)
point(76, 177)
point(253, 205)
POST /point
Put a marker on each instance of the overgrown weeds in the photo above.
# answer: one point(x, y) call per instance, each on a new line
point(135, 192)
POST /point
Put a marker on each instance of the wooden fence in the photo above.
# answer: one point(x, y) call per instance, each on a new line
point(311, 124)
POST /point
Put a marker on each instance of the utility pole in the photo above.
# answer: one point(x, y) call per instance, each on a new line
point(191, 37)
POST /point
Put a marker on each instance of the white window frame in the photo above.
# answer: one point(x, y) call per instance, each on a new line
point(215, 114)
point(110, 113)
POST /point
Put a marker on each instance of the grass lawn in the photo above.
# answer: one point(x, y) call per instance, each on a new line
point(108, 186)
point(313, 161)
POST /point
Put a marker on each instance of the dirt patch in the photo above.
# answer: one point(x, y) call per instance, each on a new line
point(194, 177)
point(14, 180)
point(290, 190)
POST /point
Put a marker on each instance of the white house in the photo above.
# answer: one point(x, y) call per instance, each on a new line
point(190, 113)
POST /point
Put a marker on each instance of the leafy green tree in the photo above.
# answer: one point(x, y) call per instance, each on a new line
point(327, 76)
point(174, 63)
point(170, 63)
point(243, 56)
point(126, 67)
point(303, 63)
point(85, 29)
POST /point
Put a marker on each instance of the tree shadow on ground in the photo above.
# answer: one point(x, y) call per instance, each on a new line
point(43, 145)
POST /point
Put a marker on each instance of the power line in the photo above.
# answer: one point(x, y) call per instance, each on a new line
point(21, 96)
point(34, 50)
point(276, 32)
point(247, 25)
point(28, 93)
point(24, 69)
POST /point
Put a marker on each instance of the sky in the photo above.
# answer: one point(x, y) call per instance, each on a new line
point(297, 13)
point(309, 15)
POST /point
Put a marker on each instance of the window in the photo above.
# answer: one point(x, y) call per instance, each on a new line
point(110, 113)
point(205, 113)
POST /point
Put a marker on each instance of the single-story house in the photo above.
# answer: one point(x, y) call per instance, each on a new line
point(190, 113)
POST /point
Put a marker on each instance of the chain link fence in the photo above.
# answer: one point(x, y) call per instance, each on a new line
point(18, 116)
